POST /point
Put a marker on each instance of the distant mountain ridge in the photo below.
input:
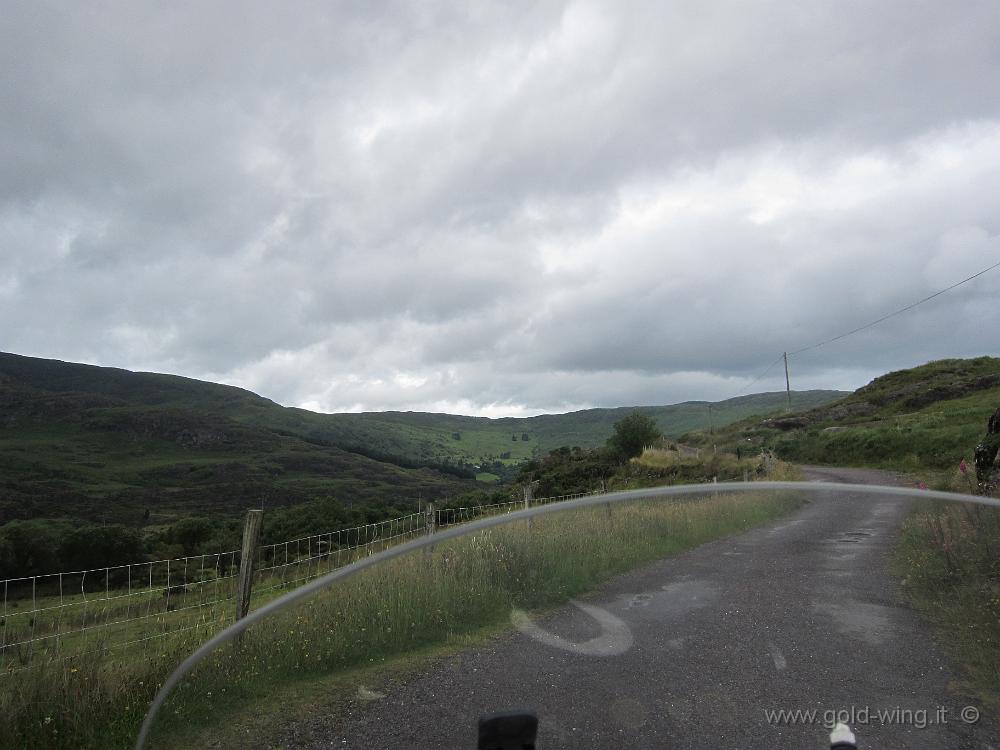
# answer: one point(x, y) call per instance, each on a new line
point(414, 436)
point(84, 440)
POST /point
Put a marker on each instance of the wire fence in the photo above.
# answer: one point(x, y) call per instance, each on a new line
point(288, 564)
point(72, 613)
point(63, 615)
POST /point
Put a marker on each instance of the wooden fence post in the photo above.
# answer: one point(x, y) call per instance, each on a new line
point(529, 495)
point(251, 537)
point(604, 489)
point(430, 524)
point(430, 518)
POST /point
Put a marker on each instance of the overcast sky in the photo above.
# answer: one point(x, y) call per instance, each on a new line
point(498, 208)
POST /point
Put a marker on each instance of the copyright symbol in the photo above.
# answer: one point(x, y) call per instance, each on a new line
point(970, 714)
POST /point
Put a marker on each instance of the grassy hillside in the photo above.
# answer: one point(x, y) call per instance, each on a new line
point(403, 438)
point(592, 427)
point(107, 445)
point(438, 438)
point(930, 416)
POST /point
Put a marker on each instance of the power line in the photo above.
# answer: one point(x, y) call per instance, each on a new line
point(760, 377)
point(865, 327)
point(893, 314)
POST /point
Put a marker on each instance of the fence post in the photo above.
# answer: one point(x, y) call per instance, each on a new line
point(248, 554)
point(529, 495)
point(430, 524)
point(430, 518)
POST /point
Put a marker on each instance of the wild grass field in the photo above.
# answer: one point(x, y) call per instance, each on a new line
point(122, 611)
point(948, 560)
point(422, 601)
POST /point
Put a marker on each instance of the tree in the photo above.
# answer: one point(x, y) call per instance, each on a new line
point(632, 434)
point(101, 546)
point(32, 547)
point(191, 533)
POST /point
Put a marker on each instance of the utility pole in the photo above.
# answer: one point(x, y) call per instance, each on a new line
point(788, 388)
point(711, 422)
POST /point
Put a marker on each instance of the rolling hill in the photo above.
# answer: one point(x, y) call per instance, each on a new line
point(926, 417)
point(96, 442)
point(103, 444)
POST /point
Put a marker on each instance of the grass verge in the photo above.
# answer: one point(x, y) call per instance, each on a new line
point(948, 558)
point(415, 605)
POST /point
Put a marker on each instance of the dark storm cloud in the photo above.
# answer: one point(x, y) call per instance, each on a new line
point(492, 209)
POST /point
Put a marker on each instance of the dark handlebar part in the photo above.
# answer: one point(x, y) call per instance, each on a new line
point(509, 730)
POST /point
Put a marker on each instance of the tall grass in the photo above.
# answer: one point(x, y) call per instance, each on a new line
point(948, 558)
point(665, 463)
point(422, 600)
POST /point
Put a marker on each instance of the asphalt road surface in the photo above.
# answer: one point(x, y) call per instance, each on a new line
point(691, 651)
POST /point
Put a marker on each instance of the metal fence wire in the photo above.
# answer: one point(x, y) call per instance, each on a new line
point(63, 615)
point(77, 612)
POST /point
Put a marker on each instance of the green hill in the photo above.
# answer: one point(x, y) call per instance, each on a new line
point(930, 416)
point(401, 437)
point(592, 427)
point(98, 442)
point(421, 436)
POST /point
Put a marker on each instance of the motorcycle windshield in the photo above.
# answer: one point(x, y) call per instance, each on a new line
point(744, 615)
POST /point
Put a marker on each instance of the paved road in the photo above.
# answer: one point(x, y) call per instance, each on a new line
point(799, 615)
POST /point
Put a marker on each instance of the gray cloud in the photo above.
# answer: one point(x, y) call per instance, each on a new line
point(478, 208)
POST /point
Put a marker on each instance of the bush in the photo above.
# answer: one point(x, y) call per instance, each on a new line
point(191, 533)
point(633, 434)
point(100, 546)
point(29, 548)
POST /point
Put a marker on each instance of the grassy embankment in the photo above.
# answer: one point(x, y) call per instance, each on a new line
point(922, 420)
point(948, 559)
point(421, 604)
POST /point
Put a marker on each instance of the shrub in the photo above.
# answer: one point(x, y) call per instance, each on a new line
point(633, 434)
